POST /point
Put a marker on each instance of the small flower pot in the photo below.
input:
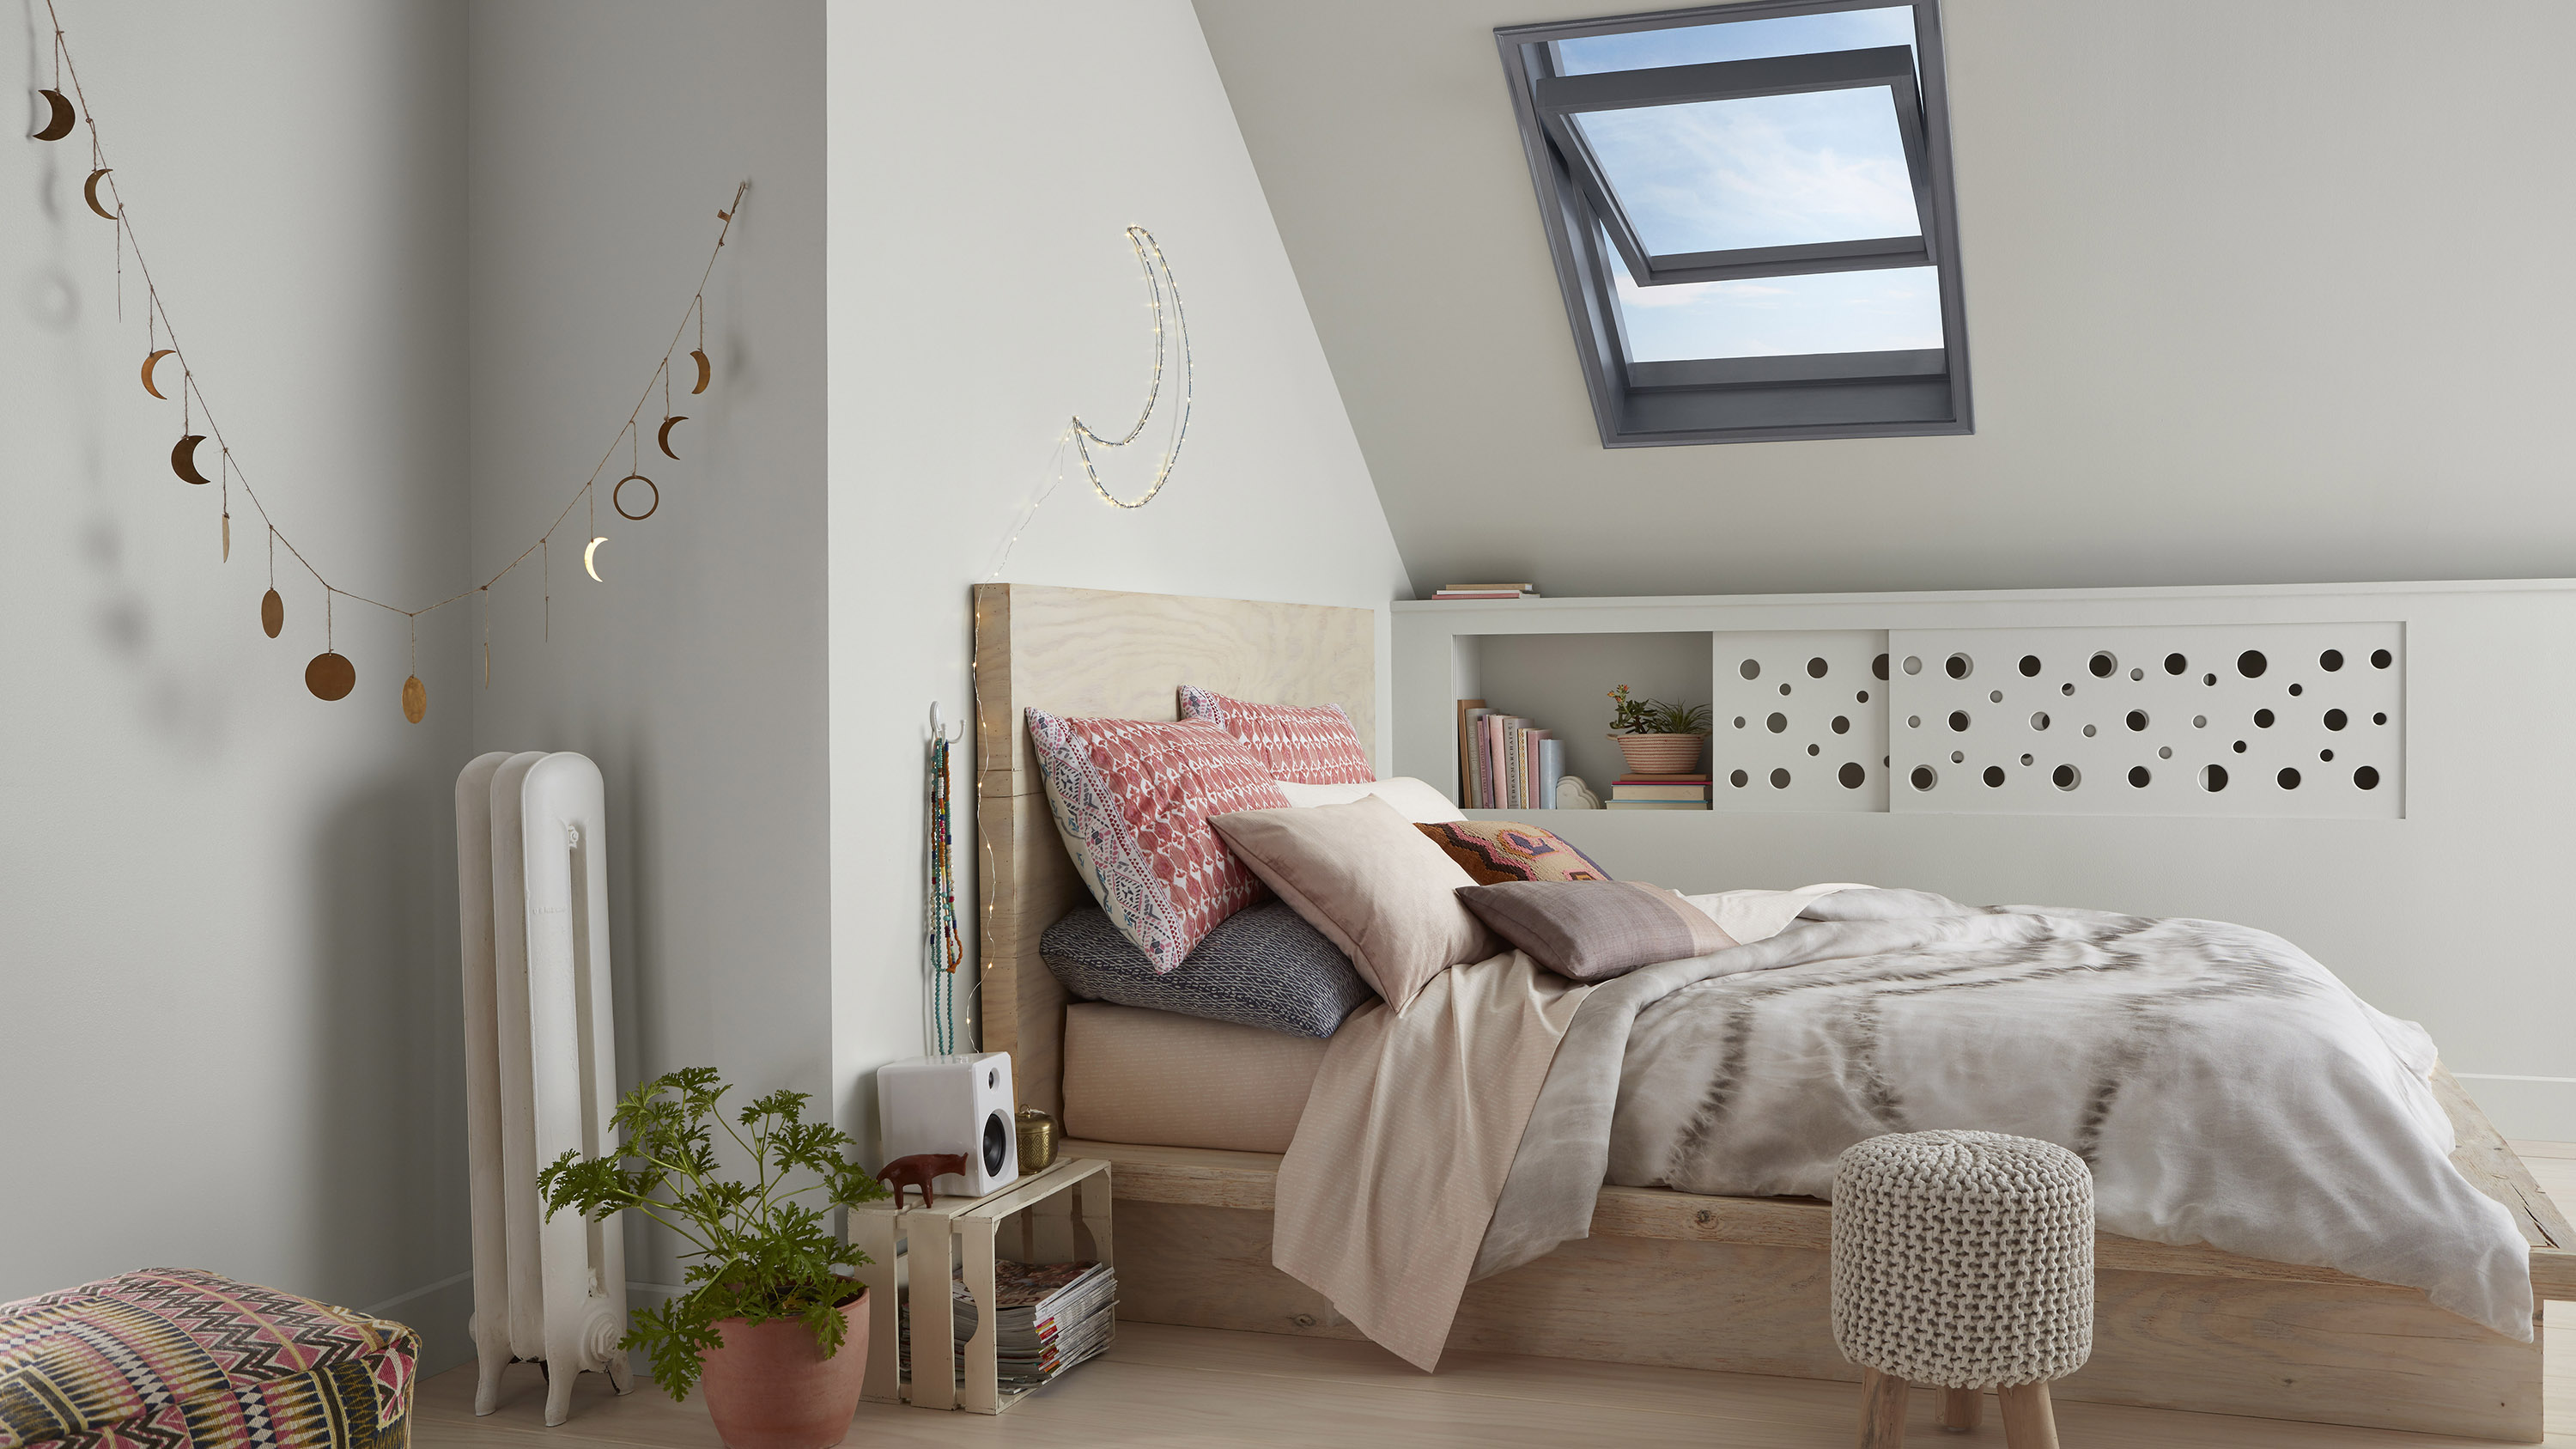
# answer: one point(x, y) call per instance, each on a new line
point(1661, 754)
point(770, 1387)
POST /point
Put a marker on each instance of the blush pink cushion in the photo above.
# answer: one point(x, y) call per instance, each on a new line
point(1132, 798)
point(1302, 744)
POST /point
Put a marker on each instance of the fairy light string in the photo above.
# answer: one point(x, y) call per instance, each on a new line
point(158, 325)
point(1158, 280)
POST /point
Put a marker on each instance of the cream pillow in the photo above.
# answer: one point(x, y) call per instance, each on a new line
point(1365, 877)
point(1418, 800)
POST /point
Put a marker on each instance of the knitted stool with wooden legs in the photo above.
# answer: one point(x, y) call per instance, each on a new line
point(1962, 1260)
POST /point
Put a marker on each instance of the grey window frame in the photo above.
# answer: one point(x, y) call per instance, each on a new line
point(1913, 393)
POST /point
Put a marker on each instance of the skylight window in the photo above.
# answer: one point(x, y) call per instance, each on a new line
point(1767, 180)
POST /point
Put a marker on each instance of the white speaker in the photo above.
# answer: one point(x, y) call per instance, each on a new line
point(953, 1104)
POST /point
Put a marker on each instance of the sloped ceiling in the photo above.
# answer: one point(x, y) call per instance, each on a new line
point(2255, 294)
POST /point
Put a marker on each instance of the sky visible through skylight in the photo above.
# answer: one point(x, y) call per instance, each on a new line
point(1712, 175)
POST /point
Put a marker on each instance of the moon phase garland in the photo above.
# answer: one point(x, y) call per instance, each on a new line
point(1158, 279)
point(331, 675)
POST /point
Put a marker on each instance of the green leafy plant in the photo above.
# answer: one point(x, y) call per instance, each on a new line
point(1651, 717)
point(760, 1253)
point(1678, 719)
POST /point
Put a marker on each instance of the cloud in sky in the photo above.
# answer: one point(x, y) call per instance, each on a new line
point(1875, 311)
point(1762, 171)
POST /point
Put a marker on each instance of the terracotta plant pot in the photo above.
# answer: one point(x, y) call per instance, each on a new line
point(770, 1387)
point(1660, 754)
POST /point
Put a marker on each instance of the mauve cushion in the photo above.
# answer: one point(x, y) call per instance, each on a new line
point(1593, 930)
point(1261, 967)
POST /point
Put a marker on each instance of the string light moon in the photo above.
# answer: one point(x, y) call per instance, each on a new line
point(330, 676)
point(1159, 281)
point(617, 500)
point(415, 699)
point(183, 459)
point(59, 124)
point(151, 362)
point(89, 191)
point(272, 613)
point(590, 559)
point(663, 439)
point(706, 372)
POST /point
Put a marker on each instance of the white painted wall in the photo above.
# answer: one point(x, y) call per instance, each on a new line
point(228, 1020)
point(984, 162)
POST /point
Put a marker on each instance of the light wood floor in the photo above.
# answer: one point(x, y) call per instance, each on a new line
point(1176, 1386)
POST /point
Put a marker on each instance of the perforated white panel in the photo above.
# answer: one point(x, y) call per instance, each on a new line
point(2271, 719)
point(1800, 721)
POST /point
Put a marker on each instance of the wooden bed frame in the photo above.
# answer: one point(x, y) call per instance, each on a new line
point(1667, 1278)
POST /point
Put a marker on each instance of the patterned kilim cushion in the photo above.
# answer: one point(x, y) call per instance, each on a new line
point(1132, 799)
point(176, 1358)
point(1494, 851)
point(1302, 744)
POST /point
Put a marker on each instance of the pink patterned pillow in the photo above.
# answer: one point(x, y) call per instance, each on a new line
point(1132, 798)
point(1302, 745)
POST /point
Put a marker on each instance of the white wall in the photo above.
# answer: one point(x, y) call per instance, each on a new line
point(228, 1020)
point(604, 136)
point(984, 163)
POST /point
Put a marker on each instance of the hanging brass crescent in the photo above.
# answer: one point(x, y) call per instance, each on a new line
point(148, 364)
point(706, 372)
point(89, 191)
point(59, 124)
point(183, 459)
point(663, 440)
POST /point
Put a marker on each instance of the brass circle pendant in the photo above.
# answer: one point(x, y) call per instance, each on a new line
point(272, 613)
point(617, 498)
point(415, 699)
point(330, 676)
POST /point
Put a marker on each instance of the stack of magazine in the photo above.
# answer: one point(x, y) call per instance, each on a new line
point(1053, 1316)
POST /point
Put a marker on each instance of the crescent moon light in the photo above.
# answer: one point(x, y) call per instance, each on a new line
point(59, 124)
point(665, 439)
point(590, 559)
point(89, 189)
point(183, 459)
point(148, 364)
point(706, 372)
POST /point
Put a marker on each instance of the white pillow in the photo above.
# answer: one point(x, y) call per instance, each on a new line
point(1416, 800)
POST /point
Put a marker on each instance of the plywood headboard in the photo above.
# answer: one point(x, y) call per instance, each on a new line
point(1123, 656)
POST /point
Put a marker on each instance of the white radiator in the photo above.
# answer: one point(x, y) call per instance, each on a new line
point(540, 1066)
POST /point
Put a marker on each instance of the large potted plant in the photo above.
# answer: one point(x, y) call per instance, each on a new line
point(770, 1323)
point(1657, 738)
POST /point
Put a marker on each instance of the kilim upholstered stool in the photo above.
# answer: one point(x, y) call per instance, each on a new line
point(175, 1358)
point(1962, 1260)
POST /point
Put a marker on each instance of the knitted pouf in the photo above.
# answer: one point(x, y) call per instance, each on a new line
point(1963, 1259)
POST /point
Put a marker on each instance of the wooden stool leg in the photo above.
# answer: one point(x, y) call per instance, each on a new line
point(2028, 1421)
point(1961, 1409)
point(1882, 1410)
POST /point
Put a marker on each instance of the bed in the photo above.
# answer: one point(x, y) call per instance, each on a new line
point(1666, 1277)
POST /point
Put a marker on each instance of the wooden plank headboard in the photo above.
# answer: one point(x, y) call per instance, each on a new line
point(1123, 656)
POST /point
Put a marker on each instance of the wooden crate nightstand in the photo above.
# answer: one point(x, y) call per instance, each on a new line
point(1062, 1216)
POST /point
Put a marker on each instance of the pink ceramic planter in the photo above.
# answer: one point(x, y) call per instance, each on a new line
point(770, 1387)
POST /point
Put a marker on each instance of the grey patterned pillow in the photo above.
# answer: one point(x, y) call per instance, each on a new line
point(1261, 967)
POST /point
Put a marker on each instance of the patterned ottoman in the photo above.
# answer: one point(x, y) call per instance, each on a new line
point(173, 1357)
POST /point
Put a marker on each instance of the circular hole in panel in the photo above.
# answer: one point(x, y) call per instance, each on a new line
point(2262, 719)
point(1739, 721)
point(2137, 719)
point(2137, 674)
point(2066, 777)
point(1776, 723)
point(1914, 721)
point(2139, 775)
point(2165, 754)
point(1913, 665)
point(1959, 666)
point(1878, 666)
point(2330, 661)
point(1861, 698)
point(2039, 721)
point(2104, 664)
point(1997, 697)
point(2251, 663)
point(2088, 732)
point(1779, 779)
point(1816, 668)
point(2029, 665)
point(1958, 757)
point(2379, 719)
point(2066, 689)
point(1739, 779)
point(2209, 679)
point(1853, 776)
point(2213, 778)
point(2366, 777)
point(2297, 690)
point(1750, 669)
point(1995, 775)
point(2381, 659)
point(2336, 719)
point(1815, 749)
point(2289, 778)
point(2200, 721)
point(2025, 759)
point(1925, 777)
point(2176, 664)
point(1958, 720)
point(1784, 689)
point(1842, 724)
point(2240, 747)
point(2326, 755)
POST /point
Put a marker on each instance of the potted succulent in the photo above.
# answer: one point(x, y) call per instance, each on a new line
point(771, 1324)
point(1657, 738)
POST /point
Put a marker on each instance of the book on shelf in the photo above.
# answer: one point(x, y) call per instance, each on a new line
point(1505, 762)
point(1050, 1317)
point(1660, 790)
point(1700, 804)
point(1486, 591)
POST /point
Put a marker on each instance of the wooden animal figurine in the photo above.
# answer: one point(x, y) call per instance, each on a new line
point(917, 1171)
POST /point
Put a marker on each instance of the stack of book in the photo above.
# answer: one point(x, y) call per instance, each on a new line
point(1505, 763)
point(1486, 591)
point(1659, 792)
point(1052, 1316)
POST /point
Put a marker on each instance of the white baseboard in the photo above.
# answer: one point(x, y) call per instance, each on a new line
point(2530, 1108)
